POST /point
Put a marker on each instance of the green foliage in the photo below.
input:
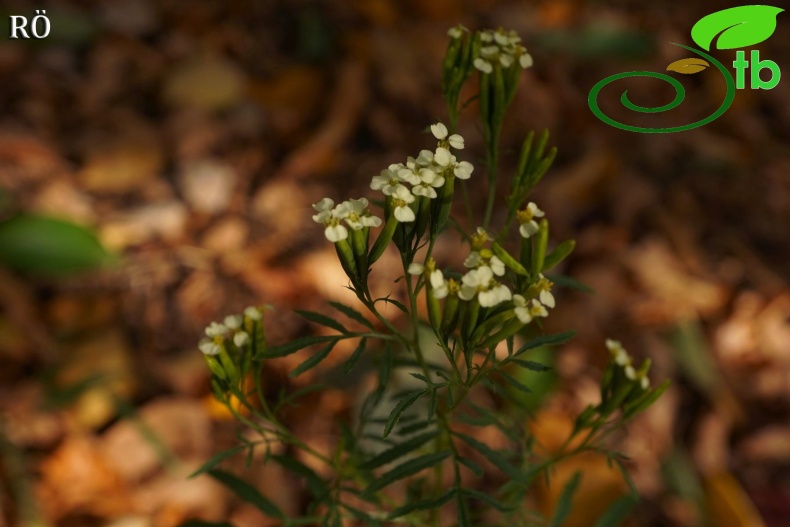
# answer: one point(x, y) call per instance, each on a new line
point(416, 419)
point(49, 246)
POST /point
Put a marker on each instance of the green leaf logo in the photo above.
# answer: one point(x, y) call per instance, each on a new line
point(738, 27)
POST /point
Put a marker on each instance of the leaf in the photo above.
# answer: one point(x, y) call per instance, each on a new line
point(402, 405)
point(546, 340)
point(295, 345)
point(354, 358)
point(406, 469)
point(531, 365)
point(737, 27)
point(217, 459)
point(398, 451)
point(424, 505)
point(323, 320)
point(487, 498)
point(617, 512)
point(352, 313)
point(476, 469)
point(496, 459)
point(564, 503)
point(313, 361)
point(513, 382)
point(463, 512)
point(248, 493)
point(559, 253)
point(315, 484)
point(49, 246)
point(688, 66)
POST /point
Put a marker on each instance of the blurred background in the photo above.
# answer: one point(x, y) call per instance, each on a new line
point(191, 138)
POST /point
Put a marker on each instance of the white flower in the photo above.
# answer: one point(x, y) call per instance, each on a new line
point(429, 181)
point(215, 329)
point(506, 60)
point(526, 312)
point(209, 347)
point(387, 181)
point(483, 65)
point(400, 201)
point(497, 294)
point(233, 321)
point(356, 214)
point(487, 36)
point(443, 157)
point(630, 372)
point(253, 313)
point(439, 284)
point(501, 38)
point(334, 231)
point(525, 60)
point(644, 382)
point(525, 217)
point(489, 52)
point(455, 32)
point(439, 131)
point(425, 158)
point(497, 265)
point(473, 261)
point(481, 280)
point(618, 352)
point(545, 296)
point(416, 269)
point(241, 338)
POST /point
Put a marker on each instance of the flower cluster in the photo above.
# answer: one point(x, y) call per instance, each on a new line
point(353, 212)
point(623, 360)
point(502, 47)
point(233, 328)
point(425, 174)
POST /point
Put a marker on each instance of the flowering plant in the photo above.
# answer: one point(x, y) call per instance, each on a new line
point(425, 465)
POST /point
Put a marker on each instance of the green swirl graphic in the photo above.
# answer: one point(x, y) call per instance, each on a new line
point(680, 94)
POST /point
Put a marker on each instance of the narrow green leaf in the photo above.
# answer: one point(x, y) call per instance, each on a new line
point(315, 484)
point(295, 345)
point(354, 358)
point(617, 512)
point(513, 382)
point(323, 320)
point(217, 459)
point(424, 505)
point(559, 253)
point(476, 469)
point(490, 500)
point(396, 303)
point(530, 365)
point(353, 314)
point(398, 450)
point(248, 493)
point(414, 427)
point(508, 260)
point(546, 340)
point(402, 405)
point(406, 469)
point(496, 459)
point(567, 281)
point(313, 361)
point(564, 503)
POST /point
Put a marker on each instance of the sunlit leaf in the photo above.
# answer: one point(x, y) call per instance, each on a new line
point(737, 27)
